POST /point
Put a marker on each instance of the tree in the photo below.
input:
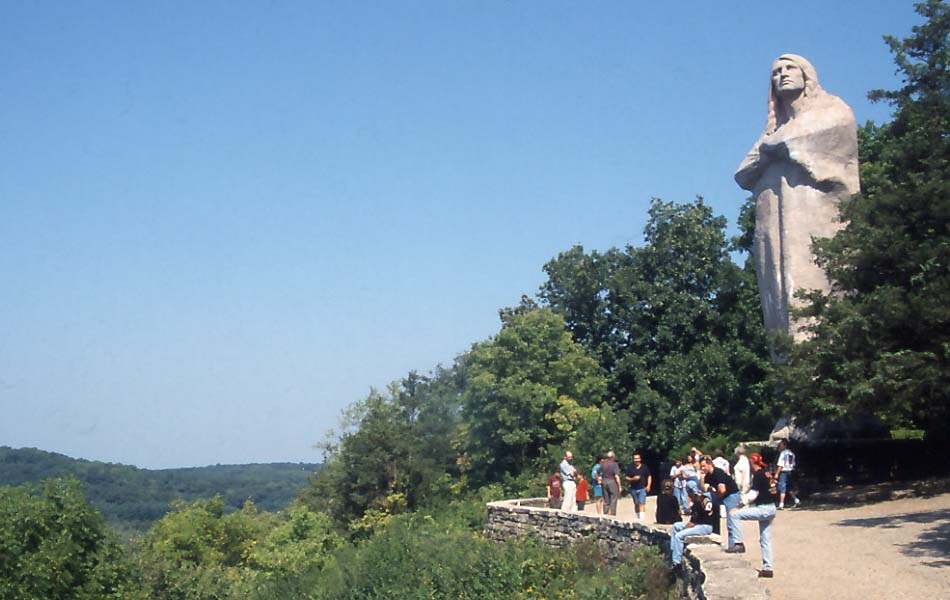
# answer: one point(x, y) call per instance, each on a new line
point(882, 338)
point(54, 546)
point(393, 452)
point(199, 552)
point(675, 324)
point(527, 390)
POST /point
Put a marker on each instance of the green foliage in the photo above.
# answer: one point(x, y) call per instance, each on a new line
point(528, 390)
point(199, 552)
point(908, 434)
point(132, 499)
point(882, 343)
point(675, 324)
point(394, 453)
point(603, 430)
point(54, 546)
point(426, 557)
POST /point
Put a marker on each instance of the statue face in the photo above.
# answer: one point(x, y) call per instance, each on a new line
point(787, 77)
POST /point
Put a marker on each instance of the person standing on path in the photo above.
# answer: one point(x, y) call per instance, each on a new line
point(721, 462)
point(742, 472)
point(554, 490)
point(598, 487)
point(689, 472)
point(641, 480)
point(786, 467)
point(679, 485)
point(724, 489)
point(569, 482)
point(610, 480)
point(583, 492)
point(702, 515)
point(759, 505)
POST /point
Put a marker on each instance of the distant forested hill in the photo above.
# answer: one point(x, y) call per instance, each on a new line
point(132, 498)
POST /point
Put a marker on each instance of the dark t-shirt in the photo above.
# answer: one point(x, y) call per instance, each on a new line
point(554, 482)
point(703, 512)
point(667, 509)
point(611, 469)
point(643, 471)
point(763, 484)
point(719, 476)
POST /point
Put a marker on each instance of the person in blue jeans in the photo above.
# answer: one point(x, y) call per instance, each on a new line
point(641, 480)
point(759, 505)
point(726, 491)
point(783, 473)
point(702, 514)
point(598, 487)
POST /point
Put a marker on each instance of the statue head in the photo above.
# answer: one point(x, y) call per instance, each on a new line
point(792, 76)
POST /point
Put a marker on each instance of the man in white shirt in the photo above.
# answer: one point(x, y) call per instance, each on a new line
point(569, 482)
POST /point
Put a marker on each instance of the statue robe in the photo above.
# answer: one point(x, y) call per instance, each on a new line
point(798, 175)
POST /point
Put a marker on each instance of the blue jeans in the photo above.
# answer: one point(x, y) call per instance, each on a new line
point(764, 514)
point(682, 498)
point(639, 496)
point(783, 478)
point(679, 533)
point(733, 526)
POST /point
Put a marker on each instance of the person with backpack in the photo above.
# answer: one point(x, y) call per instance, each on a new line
point(759, 505)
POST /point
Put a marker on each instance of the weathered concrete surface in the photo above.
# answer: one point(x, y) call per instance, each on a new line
point(897, 549)
point(708, 572)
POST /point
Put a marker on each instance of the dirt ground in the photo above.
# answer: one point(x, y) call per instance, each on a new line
point(894, 549)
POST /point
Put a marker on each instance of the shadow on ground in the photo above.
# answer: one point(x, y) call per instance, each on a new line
point(933, 545)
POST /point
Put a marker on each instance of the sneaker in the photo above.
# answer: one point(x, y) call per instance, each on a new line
point(765, 573)
point(781, 507)
point(797, 502)
point(737, 549)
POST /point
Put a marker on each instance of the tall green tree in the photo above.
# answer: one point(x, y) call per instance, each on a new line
point(393, 452)
point(527, 390)
point(882, 341)
point(675, 324)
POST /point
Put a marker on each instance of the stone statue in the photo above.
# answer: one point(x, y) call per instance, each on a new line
point(804, 163)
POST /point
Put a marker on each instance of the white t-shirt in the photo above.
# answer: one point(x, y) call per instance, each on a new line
point(743, 473)
point(786, 460)
point(721, 463)
point(675, 476)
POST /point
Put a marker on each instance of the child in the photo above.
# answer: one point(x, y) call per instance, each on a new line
point(554, 490)
point(667, 508)
point(583, 491)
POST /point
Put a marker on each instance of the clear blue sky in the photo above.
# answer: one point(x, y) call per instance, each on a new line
point(222, 222)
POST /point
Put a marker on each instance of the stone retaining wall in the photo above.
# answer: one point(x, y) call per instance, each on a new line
point(708, 572)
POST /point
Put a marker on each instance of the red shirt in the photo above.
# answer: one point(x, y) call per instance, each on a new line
point(582, 488)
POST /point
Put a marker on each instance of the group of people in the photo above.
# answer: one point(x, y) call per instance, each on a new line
point(568, 488)
point(698, 486)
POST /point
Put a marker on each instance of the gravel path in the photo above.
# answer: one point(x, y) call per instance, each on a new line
point(897, 549)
